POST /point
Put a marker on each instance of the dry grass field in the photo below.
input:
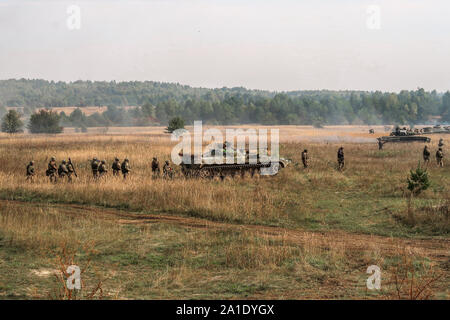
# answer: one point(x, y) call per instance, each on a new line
point(302, 234)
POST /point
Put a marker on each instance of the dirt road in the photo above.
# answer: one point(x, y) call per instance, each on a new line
point(438, 249)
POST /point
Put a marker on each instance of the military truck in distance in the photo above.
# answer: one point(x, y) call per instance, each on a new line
point(437, 129)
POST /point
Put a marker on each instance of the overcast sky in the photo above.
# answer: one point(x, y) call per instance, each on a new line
point(259, 44)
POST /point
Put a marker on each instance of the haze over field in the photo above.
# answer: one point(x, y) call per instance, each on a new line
point(350, 98)
point(273, 45)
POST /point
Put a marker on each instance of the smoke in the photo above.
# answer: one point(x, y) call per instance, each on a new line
point(331, 139)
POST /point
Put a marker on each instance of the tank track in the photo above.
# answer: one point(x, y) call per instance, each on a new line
point(212, 170)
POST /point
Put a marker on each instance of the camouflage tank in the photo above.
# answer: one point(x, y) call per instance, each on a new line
point(403, 135)
point(241, 165)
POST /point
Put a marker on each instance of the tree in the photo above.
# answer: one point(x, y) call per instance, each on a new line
point(147, 110)
point(174, 124)
point(445, 110)
point(77, 117)
point(417, 182)
point(11, 122)
point(45, 122)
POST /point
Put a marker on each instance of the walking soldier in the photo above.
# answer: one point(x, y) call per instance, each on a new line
point(30, 171)
point(116, 167)
point(340, 157)
point(52, 170)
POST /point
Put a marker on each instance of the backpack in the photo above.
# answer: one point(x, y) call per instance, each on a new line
point(116, 165)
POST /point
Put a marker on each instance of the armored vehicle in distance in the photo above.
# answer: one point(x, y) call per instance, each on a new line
point(242, 164)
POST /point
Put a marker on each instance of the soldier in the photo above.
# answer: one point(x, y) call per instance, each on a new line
point(116, 167)
point(94, 167)
point(62, 170)
point(224, 146)
point(155, 167)
point(125, 167)
point(380, 144)
point(439, 158)
point(340, 156)
point(30, 171)
point(426, 155)
point(305, 158)
point(167, 170)
point(52, 169)
point(70, 171)
point(102, 169)
point(441, 143)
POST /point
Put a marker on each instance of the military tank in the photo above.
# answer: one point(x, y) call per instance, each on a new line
point(437, 129)
point(240, 166)
point(403, 135)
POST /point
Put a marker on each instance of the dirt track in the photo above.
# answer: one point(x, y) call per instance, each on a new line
point(437, 249)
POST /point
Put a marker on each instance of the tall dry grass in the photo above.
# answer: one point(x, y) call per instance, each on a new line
point(45, 228)
point(380, 174)
point(165, 260)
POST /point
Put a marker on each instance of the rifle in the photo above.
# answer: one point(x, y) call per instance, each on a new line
point(73, 167)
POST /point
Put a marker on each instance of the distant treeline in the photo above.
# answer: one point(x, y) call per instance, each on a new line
point(159, 102)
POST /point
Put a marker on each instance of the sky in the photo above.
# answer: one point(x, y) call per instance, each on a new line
point(276, 45)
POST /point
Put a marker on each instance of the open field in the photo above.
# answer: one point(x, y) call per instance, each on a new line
point(301, 234)
point(287, 133)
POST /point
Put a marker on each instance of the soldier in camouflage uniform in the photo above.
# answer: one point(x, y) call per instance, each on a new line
point(52, 170)
point(62, 170)
point(116, 167)
point(440, 158)
point(155, 168)
point(102, 171)
point(426, 155)
point(70, 171)
point(125, 167)
point(30, 171)
point(167, 170)
point(340, 157)
point(441, 143)
point(305, 158)
point(94, 167)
